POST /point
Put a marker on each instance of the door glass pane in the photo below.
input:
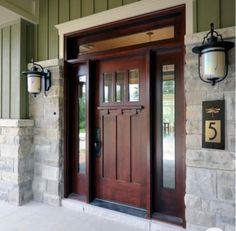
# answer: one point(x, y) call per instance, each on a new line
point(82, 123)
point(168, 120)
point(120, 83)
point(134, 85)
point(107, 89)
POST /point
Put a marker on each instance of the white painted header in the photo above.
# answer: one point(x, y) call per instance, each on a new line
point(123, 12)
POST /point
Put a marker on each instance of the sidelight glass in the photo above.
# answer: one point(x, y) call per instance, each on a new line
point(120, 85)
point(107, 91)
point(168, 121)
point(134, 85)
point(82, 124)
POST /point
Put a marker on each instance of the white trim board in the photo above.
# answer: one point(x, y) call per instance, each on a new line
point(120, 13)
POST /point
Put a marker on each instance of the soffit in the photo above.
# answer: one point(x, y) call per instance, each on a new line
point(7, 16)
point(11, 10)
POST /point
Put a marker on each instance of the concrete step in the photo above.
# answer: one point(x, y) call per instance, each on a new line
point(141, 223)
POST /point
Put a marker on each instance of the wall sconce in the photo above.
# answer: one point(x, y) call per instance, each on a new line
point(212, 57)
point(34, 76)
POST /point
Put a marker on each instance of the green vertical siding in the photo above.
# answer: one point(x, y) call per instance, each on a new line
point(26, 53)
point(64, 10)
point(220, 12)
point(52, 32)
point(6, 65)
point(208, 11)
point(227, 13)
point(114, 3)
point(75, 9)
point(128, 1)
point(1, 58)
point(16, 46)
point(43, 42)
point(14, 98)
point(87, 7)
point(100, 6)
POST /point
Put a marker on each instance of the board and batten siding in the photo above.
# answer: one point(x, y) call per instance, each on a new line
point(52, 12)
point(16, 42)
point(220, 12)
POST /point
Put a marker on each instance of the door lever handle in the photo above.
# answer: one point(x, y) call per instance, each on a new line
point(97, 147)
point(97, 143)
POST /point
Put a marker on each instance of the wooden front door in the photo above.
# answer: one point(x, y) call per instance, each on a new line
point(120, 144)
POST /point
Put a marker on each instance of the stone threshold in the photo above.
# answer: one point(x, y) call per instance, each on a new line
point(145, 224)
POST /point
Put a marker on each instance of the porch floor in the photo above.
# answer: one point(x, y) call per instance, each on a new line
point(36, 216)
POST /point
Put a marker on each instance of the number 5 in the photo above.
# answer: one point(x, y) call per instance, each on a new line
point(211, 126)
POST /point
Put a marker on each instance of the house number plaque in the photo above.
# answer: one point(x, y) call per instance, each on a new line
point(213, 124)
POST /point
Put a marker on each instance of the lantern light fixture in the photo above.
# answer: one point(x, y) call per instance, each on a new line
point(213, 57)
point(34, 79)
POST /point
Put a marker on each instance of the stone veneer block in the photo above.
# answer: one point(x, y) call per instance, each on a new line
point(16, 160)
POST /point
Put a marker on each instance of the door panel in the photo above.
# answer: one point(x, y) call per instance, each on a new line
point(123, 148)
point(121, 168)
point(109, 146)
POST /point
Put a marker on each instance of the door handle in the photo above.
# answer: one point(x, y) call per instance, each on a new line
point(97, 148)
point(97, 143)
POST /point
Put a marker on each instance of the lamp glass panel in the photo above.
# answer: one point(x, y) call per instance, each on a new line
point(212, 63)
point(34, 83)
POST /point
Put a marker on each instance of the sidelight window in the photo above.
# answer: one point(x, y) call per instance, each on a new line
point(168, 120)
point(82, 124)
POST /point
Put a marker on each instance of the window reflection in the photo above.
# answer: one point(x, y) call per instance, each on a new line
point(168, 120)
point(134, 85)
point(120, 82)
point(82, 123)
point(107, 91)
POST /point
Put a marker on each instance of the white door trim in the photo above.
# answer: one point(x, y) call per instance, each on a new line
point(123, 12)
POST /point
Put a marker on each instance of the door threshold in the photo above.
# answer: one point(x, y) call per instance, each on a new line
point(141, 223)
point(104, 213)
point(123, 208)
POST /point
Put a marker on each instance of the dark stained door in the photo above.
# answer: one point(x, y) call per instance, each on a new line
point(120, 147)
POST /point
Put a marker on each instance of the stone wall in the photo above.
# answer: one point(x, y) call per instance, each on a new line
point(47, 112)
point(210, 182)
point(16, 160)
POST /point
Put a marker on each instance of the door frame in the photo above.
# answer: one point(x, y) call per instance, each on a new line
point(171, 16)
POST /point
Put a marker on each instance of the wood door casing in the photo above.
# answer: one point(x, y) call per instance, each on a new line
point(120, 171)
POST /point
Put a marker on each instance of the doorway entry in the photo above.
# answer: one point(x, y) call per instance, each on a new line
point(121, 125)
point(124, 130)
